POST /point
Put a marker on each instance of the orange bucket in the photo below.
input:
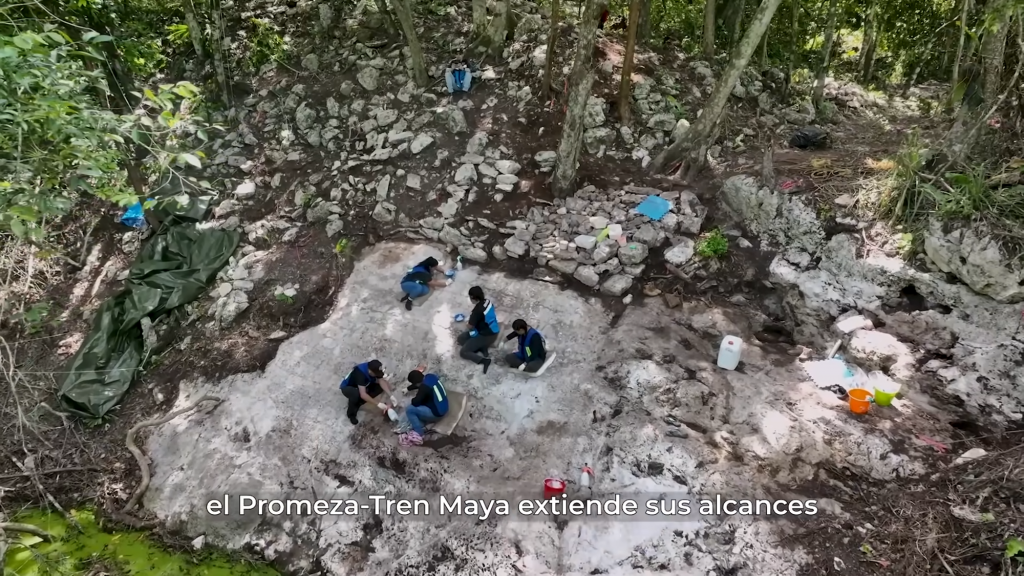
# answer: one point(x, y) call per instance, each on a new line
point(553, 487)
point(860, 401)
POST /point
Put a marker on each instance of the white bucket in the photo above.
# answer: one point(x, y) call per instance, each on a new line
point(729, 353)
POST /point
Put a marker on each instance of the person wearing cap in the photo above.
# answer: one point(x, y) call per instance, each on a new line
point(483, 330)
point(530, 353)
point(418, 281)
point(362, 385)
point(429, 405)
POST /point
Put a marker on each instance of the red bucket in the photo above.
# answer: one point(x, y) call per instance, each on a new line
point(553, 487)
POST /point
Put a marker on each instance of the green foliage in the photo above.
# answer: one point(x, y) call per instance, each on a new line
point(282, 297)
point(76, 553)
point(905, 245)
point(144, 57)
point(677, 108)
point(263, 44)
point(912, 195)
point(906, 197)
point(1014, 546)
point(178, 34)
point(342, 246)
point(57, 141)
point(826, 111)
point(35, 317)
point(969, 195)
point(712, 244)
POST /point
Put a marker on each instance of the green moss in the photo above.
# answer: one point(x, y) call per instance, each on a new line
point(129, 553)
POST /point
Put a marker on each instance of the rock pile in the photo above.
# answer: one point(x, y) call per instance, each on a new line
point(599, 239)
point(237, 279)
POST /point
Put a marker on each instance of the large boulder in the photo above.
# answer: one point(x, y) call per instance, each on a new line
point(593, 114)
point(681, 253)
point(617, 285)
point(595, 138)
point(368, 78)
point(774, 216)
point(977, 259)
point(454, 119)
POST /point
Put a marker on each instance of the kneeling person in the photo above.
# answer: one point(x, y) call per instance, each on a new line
point(483, 330)
point(364, 383)
point(530, 353)
point(429, 405)
point(418, 281)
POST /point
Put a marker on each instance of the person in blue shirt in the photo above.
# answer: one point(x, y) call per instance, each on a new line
point(458, 77)
point(483, 330)
point(530, 354)
point(418, 281)
point(362, 385)
point(429, 405)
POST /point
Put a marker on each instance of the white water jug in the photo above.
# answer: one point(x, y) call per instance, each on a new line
point(729, 353)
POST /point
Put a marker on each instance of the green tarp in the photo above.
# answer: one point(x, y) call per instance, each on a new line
point(172, 269)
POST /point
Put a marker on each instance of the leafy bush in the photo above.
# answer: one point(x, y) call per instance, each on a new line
point(58, 141)
point(713, 244)
point(264, 44)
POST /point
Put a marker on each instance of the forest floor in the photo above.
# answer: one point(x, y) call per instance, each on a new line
point(863, 137)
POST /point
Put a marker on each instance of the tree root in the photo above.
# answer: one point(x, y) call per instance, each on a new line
point(27, 529)
point(141, 458)
point(18, 527)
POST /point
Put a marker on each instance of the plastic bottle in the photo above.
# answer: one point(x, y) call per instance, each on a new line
point(729, 353)
point(586, 476)
point(458, 263)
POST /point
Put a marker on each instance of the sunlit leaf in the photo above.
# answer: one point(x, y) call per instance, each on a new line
point(1014, 546)
point(25, 213)
point(18, 228)
point(191, 159)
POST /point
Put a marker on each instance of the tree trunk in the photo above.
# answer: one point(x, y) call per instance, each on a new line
point(709, 30)
point(581, 80)
point(499, 28)
point(545, 85)
point(993, 43)
point(419, 69)
point(955, 76)
point(644, 32)
point(736, 21)
point(480, 18)
point(219, 49)
point(195, 31)
point(912, 79)
point(764, 47)
point(869, 70)
point(700, 136)
point(869, 39)
point(793, 35)
point(826, 55)
point(626, 85)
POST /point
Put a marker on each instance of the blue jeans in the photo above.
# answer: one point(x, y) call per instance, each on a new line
point(417, 415)
point(415, 289)
point(449, 80)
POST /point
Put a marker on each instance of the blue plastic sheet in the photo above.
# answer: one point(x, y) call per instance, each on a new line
point(134, 216)
point(654, 207)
